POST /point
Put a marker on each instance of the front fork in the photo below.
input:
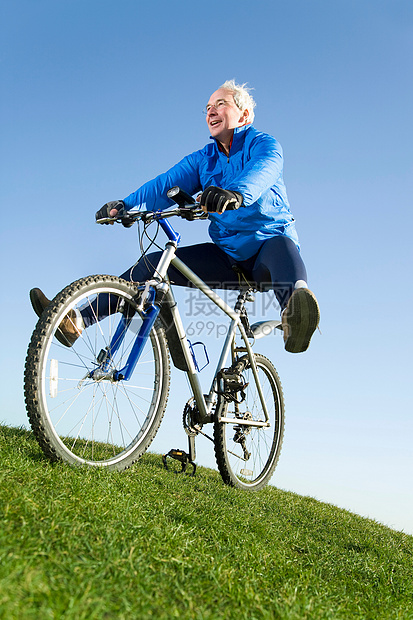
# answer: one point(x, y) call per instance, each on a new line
point(148, 305)
point(148, 311)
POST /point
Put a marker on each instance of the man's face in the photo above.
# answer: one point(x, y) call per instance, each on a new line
point(223, 116)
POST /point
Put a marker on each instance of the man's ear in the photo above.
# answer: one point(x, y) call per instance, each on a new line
point(244, 118)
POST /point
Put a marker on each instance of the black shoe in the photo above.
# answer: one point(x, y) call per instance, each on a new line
point(68, 331)
point(300, 320)
point(39, 300)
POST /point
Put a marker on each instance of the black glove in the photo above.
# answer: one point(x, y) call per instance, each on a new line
point(216, 200)
point(104, 212)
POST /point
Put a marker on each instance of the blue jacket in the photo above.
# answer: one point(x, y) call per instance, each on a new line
point(254, 168)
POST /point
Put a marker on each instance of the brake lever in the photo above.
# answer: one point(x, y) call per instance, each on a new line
point(190, 214)
point(107, 220)
point(111, 220)
point(124, 214)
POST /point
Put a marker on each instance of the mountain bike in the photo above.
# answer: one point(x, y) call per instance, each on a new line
point(101, 401)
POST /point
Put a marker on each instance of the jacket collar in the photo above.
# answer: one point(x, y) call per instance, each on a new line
point(237, 137)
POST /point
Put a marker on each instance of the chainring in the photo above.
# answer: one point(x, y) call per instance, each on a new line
point(190, 418)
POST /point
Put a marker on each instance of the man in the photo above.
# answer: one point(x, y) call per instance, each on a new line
point(240, 177)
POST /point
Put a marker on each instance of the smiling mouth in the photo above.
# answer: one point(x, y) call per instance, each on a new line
point(212, 123)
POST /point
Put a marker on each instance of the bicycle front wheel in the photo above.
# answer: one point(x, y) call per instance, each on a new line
point(95, 421)
point(247, 455)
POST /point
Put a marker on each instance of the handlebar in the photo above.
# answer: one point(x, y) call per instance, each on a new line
point(187, 209)
point(192, 212)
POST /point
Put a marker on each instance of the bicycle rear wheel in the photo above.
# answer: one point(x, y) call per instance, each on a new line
point(86, 421)
point(247, 455)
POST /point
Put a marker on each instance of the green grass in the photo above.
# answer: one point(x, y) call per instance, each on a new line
point(146, 543)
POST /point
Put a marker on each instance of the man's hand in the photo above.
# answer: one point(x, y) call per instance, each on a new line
point(217, 200)
point(111, 209)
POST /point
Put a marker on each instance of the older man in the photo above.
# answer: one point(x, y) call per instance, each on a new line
point(239, 176)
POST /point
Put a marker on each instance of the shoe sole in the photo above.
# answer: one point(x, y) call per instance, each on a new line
point(301, 319)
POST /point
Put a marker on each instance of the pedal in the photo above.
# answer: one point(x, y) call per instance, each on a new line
point(183, 457)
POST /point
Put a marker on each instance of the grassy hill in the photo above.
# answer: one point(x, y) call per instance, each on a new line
point(146, 543)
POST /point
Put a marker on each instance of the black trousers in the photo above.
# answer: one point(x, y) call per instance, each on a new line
point(277, 266)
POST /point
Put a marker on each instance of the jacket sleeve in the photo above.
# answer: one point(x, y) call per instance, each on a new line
point(263, 169)
point(152, 195)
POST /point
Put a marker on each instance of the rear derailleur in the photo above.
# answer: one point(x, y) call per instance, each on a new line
point(241, 432)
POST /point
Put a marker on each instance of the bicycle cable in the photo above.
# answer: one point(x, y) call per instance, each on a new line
point(144, 250)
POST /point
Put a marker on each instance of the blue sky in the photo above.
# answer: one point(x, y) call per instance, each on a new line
point(99, 96)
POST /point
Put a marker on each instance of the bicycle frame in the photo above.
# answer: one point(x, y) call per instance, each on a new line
point(148, 305)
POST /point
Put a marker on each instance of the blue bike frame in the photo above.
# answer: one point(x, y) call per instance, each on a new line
point(149, 309)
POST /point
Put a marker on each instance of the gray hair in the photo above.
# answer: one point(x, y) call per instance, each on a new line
point(243, 99)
